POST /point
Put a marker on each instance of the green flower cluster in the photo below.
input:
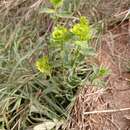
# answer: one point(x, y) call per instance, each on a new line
point(59, 34)
point(82, 30)
point(43, 65)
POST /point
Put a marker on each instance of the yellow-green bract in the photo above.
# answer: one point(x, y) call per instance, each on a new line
point(43, 65)
point(59, 34)
point(56, 2)
point(82, 30)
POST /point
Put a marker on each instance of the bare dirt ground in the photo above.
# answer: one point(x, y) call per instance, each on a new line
point(115, 55)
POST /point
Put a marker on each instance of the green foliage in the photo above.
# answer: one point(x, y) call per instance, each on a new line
point(56, 3)
point(98, 75)
point(47, 10)
point(68, 47)
point(57, 10)
point(40, 72)
point(102, 72)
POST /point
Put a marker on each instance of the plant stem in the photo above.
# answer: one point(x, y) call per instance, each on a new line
point(75, 59)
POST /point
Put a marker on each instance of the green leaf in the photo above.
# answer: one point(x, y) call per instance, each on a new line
point(85, 49)
point(56, 3)
point(88, 51)
point(64, 15)
point(47, 10)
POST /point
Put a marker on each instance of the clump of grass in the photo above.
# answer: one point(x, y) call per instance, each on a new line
point(67, 49)
point(40, 71)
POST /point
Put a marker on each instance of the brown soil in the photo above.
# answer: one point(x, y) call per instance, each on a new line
point(115, 55)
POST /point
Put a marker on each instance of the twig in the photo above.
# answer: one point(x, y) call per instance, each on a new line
point(106, 111)
point(119, 18)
